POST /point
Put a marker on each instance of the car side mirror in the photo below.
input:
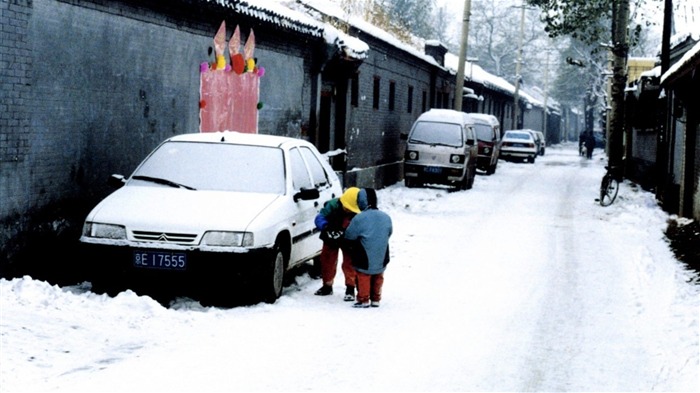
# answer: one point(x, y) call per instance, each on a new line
point(404, 137)
point(470, 142)
point(116, 181)
point(307, 194)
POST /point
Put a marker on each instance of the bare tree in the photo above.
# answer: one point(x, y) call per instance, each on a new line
point(494, 36)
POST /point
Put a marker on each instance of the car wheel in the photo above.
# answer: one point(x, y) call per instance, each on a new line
point(271, 279)
point(531, 159)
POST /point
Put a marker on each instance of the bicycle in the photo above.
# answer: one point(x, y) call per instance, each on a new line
point(609, 186)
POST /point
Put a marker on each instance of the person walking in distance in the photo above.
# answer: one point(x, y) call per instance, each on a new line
point(332, 220)
point(367, 238)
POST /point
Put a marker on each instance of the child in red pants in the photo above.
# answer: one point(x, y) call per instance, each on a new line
point(332, 220)
point(367, 239)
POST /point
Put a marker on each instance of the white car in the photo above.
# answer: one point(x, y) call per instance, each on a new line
point(204, 209)
point(518, 144)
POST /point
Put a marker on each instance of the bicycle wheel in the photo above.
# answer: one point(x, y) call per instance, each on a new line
point(608, 190)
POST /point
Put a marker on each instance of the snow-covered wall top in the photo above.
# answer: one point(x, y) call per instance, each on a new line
point(334, 10)
point(274, 12)
point(475, 73)
point(284, 13)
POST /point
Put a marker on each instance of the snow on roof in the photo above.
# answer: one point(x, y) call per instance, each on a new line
point(334, 10)
point(273, 12)
point(693, 55)
point(654, 72)
point(475, 73)
point(351, 46)
point(283, 14)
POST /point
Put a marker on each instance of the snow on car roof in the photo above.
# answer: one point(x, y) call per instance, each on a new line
point(237, 138)
point(491, 119)
point(443, 115)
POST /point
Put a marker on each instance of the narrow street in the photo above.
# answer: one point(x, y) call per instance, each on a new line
point(523, 283)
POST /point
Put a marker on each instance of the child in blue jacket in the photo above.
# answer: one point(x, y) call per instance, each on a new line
point(367, 239)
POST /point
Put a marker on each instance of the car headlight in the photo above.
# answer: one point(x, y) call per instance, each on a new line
point(456, 158)
point(104, 231)
point(228, 239)
point(412, 155)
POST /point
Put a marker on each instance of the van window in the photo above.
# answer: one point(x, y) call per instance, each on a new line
point(430, 132)
point(470, 134)
point(484, 132)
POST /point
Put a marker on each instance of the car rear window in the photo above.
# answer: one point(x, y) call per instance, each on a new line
point(517, 135)
point(217, 166)
point(430, 132)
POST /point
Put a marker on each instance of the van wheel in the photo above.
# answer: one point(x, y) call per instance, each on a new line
point(491, 169)
point(472, 178)
point(468, 180)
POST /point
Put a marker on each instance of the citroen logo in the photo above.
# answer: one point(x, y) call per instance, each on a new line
point(163, 237)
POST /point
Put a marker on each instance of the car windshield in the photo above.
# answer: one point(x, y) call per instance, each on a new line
point(215, 166)
point(436, 133)
point(518, 135)
point(484, 132)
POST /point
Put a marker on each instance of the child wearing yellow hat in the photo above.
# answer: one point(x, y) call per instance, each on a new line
point(332, 220)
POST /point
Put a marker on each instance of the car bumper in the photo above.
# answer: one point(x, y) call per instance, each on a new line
point(116, 265)
point(518, 153)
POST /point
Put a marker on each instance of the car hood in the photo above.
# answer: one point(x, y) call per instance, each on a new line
point(173, 210)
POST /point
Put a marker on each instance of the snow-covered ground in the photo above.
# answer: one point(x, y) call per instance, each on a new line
point(523, 283)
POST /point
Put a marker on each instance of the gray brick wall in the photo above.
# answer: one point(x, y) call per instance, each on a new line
point(90, 87)
point(15, 91)
point(375, 150)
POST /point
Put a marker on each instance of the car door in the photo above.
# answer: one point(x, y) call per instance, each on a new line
point(305, 241)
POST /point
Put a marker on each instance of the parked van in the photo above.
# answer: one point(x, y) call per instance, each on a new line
point(441, 149)
point(488, 135)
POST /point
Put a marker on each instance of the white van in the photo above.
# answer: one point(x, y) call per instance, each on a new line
point(441, 148)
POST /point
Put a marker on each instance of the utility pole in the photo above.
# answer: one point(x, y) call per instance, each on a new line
point(516, 107)
point(621, 11)
point(546, 82)
point(459, 89)
point(664, 138)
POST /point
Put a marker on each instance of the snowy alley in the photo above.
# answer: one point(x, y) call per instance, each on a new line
point(523, 283)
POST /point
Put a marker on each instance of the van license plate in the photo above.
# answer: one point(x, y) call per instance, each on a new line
point(160, 260)
point(432, 169)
